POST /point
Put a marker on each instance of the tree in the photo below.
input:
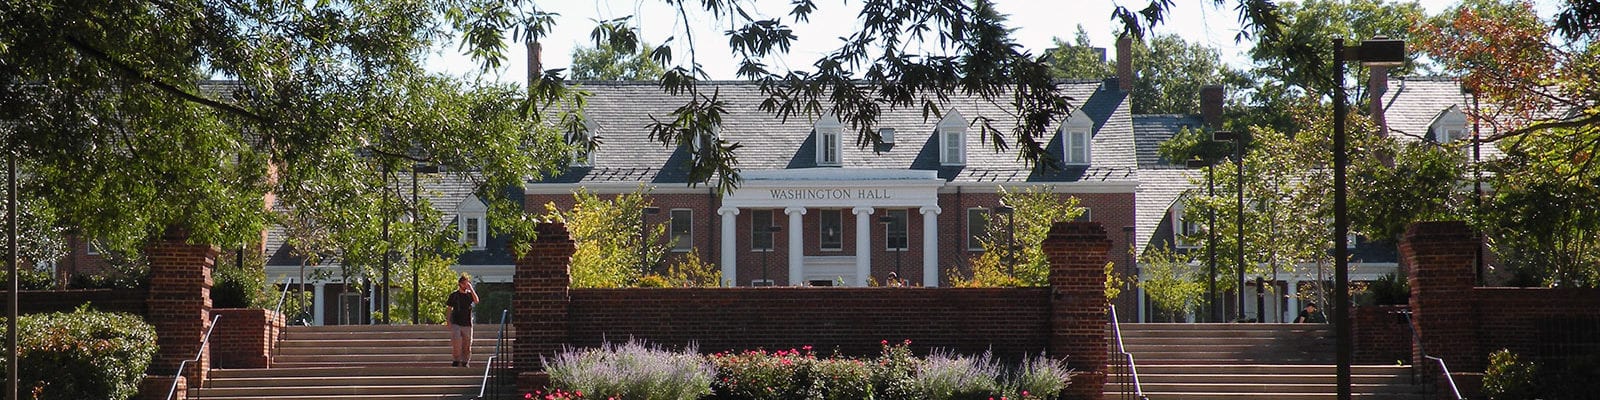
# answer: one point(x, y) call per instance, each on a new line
point(1542, 220)
point(607, 63)
point(1079, 59)
point(614, 248)
point(1301, 58)
point(1170, 71)
point(1016, 258)
point(1172, 283)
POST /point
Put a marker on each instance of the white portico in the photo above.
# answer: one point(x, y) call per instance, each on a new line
point(861, 191)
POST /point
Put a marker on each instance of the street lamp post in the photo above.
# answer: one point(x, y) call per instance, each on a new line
point(1011, 238)
point(1378, 51)
point(415, 214)
point(1238, 159)
point(644, 234)
point(1211, 239)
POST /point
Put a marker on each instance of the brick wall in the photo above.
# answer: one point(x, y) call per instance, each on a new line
point(1381, 334)
point(851, 320)
point(179, 304)
point(1463, 324)
point(244, 338)
point(1068, 319)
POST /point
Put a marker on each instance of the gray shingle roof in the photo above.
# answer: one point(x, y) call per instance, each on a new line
point(1150, 130)
point(1412, 103)
point(626, 153)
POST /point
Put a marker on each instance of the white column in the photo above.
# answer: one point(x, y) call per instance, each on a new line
point(318, 296)
point(1294, 301)
point(730, 254)
point(930, 246)
point(796, 246)
point(863, 244)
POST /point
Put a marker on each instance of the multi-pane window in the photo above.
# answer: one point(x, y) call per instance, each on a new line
point(1187, 226)
point(830, 230)
point(761, 230)
point(896, 238)
point(977, 224)
point(472, 232)
point(953, 142)
point(1077, 147)
point(582, 144)
point(680, 226)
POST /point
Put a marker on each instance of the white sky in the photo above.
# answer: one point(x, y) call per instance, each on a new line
point(1036, 22)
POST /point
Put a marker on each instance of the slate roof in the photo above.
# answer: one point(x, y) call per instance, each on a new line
point(623, 110)
point(1161, 184)
point(1412, 103)
point(445, 191)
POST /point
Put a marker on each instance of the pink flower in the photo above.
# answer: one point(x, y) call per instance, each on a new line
point(885, 342)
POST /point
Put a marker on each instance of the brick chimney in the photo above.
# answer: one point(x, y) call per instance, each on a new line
point(1125, 63)
point(1211, 97)
point(535, 66)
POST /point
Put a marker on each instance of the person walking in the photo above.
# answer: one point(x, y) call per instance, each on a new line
point(459, 310)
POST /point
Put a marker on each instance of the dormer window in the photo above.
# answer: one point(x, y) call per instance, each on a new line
point(1076, 138)
point(472, 224)
point(1184, 226)
point(1450, 125)
point(582, 143)
point(829, 141)
point(953, 139)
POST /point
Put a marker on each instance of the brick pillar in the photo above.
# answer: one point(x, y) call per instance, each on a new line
point(541, 298)
point(1078, 253)
point(179, 304)
point(1440, 258)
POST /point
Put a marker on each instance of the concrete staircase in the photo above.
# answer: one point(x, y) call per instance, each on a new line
point(1247, 361)
point(358, 362)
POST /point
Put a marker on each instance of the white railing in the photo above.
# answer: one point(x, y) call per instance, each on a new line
point(1133, 368)
point(1447, 378)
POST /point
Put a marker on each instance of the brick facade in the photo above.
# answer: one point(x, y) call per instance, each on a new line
point(1115, 210)
point(179, 303)
point(1067, 320)
point(244, 338)
point(1441, 276)
point(1381, 333)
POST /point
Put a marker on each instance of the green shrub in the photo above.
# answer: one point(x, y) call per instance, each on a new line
point(1390, 289)
point(790, 374)
point(32, 279)
point(84, 354)
point(632, 371)
point(946, 376)
point(1041, 377)
point(1509, 378)
point(235, 287)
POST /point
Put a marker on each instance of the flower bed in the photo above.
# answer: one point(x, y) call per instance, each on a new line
point(637, 371)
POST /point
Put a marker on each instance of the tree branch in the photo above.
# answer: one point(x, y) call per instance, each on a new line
point(136, 74)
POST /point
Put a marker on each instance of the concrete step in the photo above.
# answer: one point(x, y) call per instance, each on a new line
point(343, 397)
point(1271, 369)
point(378, 391)
point(1148, 378)
point(373, 359)
point(1266, 396)
point(402, 347)
point(376, 371)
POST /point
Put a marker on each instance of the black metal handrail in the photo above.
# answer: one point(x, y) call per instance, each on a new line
point(497, 363)
point(204, 341)
point(1443, 369)
point(1131, 367)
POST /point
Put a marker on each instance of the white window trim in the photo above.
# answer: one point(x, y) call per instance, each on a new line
point(680, 246)
point(1178, 214)
point(1077, 127)
point(821, 232)
point(472, 208)
point(953, 125)
point(1451, 119)
point(581, 158)
point(972, 242)
point(830, 141)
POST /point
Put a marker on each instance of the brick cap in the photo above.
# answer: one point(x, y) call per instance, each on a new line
point(1439, 231)
point(552, 232)
point(1078, 232)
